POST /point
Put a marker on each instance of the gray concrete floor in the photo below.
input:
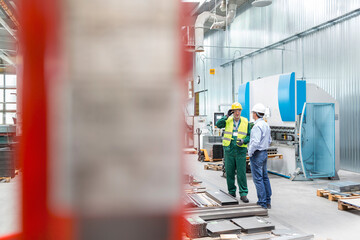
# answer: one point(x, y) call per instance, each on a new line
point(10, 206)
point(295, 202)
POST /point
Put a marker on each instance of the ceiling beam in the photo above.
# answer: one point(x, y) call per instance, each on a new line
point(6, 58)
point(8, 28)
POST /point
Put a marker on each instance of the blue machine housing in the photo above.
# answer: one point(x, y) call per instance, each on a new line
point(300, 95)
point(286, 97)
point(244, 99)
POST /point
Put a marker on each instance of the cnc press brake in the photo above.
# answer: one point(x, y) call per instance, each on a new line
point(304, 122)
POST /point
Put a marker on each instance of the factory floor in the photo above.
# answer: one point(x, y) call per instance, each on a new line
point(10, 206)
point(295, 203)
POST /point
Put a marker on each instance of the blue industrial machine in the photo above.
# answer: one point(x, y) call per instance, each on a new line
point(304, 122)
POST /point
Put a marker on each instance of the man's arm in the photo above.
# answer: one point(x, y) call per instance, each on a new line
point(247, 138)
point(270, 139)
point(254, 140)
point(221, 123)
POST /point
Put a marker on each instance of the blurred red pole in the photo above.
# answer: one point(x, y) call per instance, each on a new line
point(16, 236)
point(39, 46)
point(185, 65)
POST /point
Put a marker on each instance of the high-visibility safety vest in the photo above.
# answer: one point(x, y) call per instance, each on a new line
point(242, 130)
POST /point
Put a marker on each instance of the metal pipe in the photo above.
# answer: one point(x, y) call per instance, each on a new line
point(279, 174)
point(213, 46)
point(230, 16)
point(242, 72)
point(302, 58)
point(205, 90)
point(217, 58)
point(282, 61)
point(199, 28)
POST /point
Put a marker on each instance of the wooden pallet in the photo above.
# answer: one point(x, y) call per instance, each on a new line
point(345, 206)
point(277, 156)
point(215, 167)
point(280, 156)
point(215, 160)
point(333, 196)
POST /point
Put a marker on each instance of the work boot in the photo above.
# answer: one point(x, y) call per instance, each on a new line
point(233, 194)
point(268, 206)
point(244, 199)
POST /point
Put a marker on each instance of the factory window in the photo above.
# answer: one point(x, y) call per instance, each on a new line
point(7, 98)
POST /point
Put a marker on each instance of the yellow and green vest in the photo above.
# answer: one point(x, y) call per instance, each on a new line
point(242, 130)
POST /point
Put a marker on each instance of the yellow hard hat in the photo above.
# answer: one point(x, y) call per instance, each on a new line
point(236, 106)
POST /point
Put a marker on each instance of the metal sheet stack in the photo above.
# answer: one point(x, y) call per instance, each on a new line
point(213, 145)
point(346, 186)
point(222, 198)
point(216, 228)
point(203, 200)
point(228, 212)
point(188, 202)
point(253, 224)
point(7, 163)
point(218, 152)
point(195, 227)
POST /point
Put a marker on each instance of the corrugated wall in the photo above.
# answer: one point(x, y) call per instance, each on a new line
point(329, 58)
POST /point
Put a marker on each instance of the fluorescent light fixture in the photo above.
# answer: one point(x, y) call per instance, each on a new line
point(261, 3)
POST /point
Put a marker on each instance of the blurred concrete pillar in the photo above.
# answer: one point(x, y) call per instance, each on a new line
point(115, 118)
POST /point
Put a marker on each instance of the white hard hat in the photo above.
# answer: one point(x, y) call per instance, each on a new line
point(259, 108)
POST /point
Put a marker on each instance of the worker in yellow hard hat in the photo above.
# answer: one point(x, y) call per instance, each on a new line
point(236, 138)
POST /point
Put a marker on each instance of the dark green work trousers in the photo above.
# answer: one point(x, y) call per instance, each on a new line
point(235, 163)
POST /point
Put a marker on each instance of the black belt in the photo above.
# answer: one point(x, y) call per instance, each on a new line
point(259, 151)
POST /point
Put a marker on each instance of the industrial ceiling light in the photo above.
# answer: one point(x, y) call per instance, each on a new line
point(261, 3)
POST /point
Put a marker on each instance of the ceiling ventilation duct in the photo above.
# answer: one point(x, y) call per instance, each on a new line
point(199, 28)
point(219, 22)
point(261, 3)
point(229, 17)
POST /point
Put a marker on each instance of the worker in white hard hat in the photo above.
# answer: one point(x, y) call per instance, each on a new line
point(260, 140)
point(236, 138)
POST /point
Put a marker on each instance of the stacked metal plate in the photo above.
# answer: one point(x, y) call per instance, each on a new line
point(195, 227)
point(188, 202)
point(218, 152)
point(228, 212)
point(346, 186)
point(7, 163)
point(222, 198)
point(261, 236)
point(295, 236)
point(213, 145)
point(216, 228)
point(203, 200)
point(253, 224)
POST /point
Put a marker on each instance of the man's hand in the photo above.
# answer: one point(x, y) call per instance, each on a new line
point(230, 112)
point(240, 142)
